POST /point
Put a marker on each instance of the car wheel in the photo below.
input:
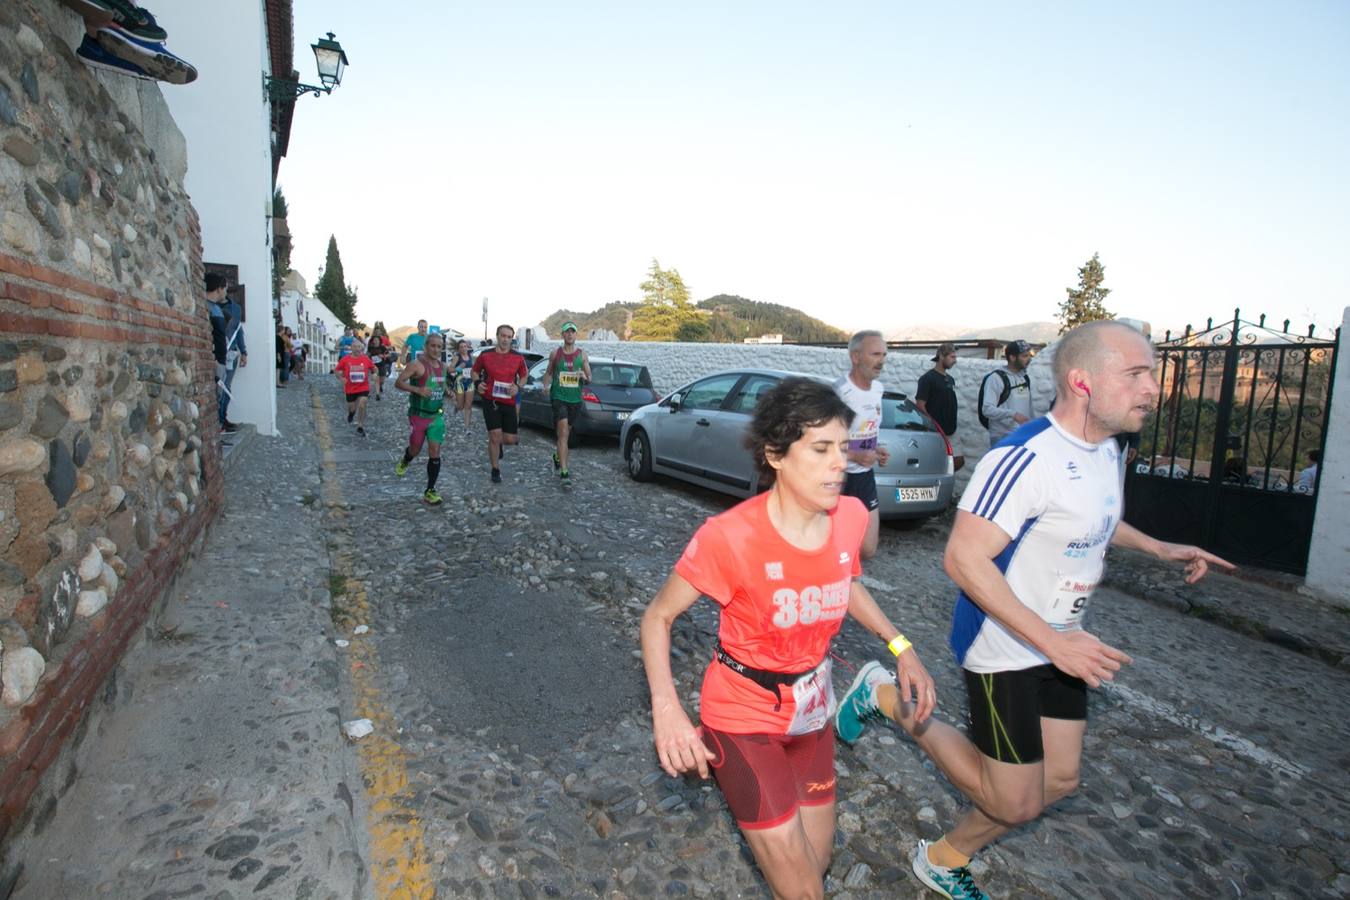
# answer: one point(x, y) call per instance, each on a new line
point(638, 453)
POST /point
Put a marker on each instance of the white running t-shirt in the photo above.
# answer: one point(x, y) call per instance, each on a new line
point(1059, 499)
point(866, 406)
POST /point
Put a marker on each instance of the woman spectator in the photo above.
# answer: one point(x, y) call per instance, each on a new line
point(283, 356)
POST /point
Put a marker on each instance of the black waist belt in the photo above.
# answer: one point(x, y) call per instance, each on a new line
point(770, 681)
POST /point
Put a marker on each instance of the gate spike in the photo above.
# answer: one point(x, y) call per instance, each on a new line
point(1312, 328)
point(1262, 322)
point(1209, 323)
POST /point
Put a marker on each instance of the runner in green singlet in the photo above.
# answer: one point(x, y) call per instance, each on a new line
point(566, 367)
point(425, 381)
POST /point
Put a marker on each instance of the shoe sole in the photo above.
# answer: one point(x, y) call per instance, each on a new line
point(110, 10)
point(158, 63)
point(131, 70)
point(922, 874)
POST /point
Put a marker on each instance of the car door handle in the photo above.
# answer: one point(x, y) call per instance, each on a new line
point(703, 422)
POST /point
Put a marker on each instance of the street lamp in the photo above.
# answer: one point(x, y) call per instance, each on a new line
point(331, 61)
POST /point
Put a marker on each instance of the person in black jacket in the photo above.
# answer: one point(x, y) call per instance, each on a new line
point(215, 297)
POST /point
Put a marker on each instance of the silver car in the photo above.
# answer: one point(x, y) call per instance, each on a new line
point(697, 434)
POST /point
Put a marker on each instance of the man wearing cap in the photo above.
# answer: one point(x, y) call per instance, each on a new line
point(936, 395)
point(1005, 394)
point(562, 379)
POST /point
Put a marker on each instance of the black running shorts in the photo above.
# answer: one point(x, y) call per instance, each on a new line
point(352, 398)
point(499, 416)
point(1006, 709)
point(564, 410)
point(862, 485)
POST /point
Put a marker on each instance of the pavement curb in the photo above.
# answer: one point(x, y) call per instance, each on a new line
point(1269, 609)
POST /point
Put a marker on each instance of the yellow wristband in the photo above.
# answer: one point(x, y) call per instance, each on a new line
point(899, 644)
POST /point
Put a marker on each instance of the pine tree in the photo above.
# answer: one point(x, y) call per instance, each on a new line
point(1086, 303)
point(665, 308)
point(332, 288)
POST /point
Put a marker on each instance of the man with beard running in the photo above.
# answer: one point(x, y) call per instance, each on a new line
point(562, 379)
point(498, 374)
point(425, 381)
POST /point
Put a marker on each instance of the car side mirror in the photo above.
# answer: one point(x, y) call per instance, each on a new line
point(676, 400)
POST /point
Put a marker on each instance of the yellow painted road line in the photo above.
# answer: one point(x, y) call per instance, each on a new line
point(398, 865)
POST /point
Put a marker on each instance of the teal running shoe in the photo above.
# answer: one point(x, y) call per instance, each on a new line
point(557, 463)
point(859, 705)
point(955, 884)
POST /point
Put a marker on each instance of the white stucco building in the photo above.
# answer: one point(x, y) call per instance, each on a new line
point(314, 322)
point(235, 140)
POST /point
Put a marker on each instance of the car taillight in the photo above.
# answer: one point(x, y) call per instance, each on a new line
point(938, 429)
point(589, 397)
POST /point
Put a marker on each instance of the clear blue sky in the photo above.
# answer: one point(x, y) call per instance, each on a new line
point(875, 164)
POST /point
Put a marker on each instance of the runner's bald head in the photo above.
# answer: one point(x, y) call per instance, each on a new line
point(1089, 347)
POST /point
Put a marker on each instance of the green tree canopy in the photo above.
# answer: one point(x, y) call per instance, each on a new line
point(1087, 302)
point(665, 307)
point(332, 287)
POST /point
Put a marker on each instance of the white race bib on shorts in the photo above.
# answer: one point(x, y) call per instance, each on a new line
point(813, 693)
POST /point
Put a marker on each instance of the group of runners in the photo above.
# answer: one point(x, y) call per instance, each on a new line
point(1025, 553)
point(495, 375)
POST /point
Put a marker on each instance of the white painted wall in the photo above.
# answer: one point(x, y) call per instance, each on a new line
point(1329, 556)
point(224, 117)
point(316, 324)
point(672, 365)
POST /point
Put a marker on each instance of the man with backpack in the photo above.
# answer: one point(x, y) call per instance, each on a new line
point(1005, 394)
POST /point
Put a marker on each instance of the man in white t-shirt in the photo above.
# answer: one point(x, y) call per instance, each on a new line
point(862, 392)
point(1027, 550)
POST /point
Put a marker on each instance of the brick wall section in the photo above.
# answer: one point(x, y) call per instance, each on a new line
point(110, 467)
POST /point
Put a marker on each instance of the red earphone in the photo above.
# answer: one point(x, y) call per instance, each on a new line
point(1087, 390)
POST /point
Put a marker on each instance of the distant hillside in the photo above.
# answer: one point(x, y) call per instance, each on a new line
point(611, 317)
point(1032, 332)
point(735, 318)
point(731, 319)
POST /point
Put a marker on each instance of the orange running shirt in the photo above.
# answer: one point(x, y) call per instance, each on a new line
point(780, 605)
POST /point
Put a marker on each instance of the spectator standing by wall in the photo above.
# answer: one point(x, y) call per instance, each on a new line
point(283, 357)
point(1005, 394)
point(215, 297)
point(236, 352)
point(936, 394)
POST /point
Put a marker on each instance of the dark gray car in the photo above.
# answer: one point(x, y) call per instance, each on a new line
point(697, 434)
point(616, 389)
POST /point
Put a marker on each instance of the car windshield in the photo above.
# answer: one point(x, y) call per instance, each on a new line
point(620, 375)
point(898, 411)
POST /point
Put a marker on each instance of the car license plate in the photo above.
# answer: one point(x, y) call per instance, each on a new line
point(914, 495)
point(621, 416)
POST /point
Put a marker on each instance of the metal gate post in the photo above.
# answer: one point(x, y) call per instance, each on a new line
point(1219, 454)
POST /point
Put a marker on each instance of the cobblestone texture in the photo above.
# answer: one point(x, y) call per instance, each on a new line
point(505, 623)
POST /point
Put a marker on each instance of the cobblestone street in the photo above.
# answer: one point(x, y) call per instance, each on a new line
point(512, 753)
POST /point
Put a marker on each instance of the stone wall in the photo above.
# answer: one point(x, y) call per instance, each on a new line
point(109, 462)
point(672, 365)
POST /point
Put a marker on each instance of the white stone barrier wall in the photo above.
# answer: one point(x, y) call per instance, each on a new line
point(1329, 555)
point(674, 364)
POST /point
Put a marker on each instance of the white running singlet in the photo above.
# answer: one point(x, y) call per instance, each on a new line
point(1059, 499)
point(866, 406)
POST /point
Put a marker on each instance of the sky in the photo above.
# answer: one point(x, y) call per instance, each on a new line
point(873, 164)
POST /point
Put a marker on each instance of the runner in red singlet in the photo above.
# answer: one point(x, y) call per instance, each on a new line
point(782, 566)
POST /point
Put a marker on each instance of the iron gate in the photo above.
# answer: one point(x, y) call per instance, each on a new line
point(1220, 460)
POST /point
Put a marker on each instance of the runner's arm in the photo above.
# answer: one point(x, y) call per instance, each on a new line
point(910, 671)
point(548, 369)
point(974, 544)
point(404, 382)
point(1197, 561)
point(586, 365)
point(679, 744)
